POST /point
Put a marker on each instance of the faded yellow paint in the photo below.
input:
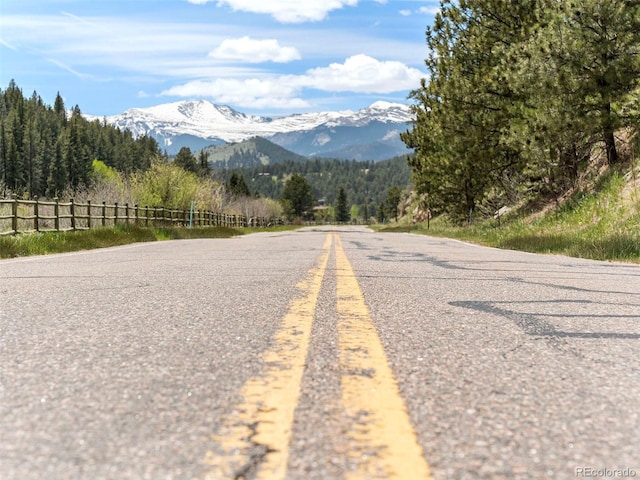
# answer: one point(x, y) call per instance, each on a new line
point(381, 442)
point(255, 439)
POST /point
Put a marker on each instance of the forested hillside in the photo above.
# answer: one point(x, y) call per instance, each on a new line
point(366, 184)
point(250, 153)
point(44, 150)
point(520, 98)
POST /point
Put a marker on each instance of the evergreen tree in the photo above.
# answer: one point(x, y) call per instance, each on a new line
point(4, 160)
point(381, 212)
point(186, 160)
point(57, 181)
point(297, 197)
point(392, 201)
point(59, 110)
point(203, 163)
point(33, 157)
point(596, 43)
point(237, 186)
point(342, 210)
point(76, 151)
point(466, 108)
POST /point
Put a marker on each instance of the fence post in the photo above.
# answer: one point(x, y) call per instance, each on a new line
point(56, 213)
point(115, 214)
point(137, 214)
point(126, 213)
point(36, 215)
point(146, 215)
point(72, 209)
point(89, 214)
point(14, 214)
point(104, 214)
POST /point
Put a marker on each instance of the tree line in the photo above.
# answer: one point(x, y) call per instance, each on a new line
point(366, 183)
point(45, 150)
point(519, 94)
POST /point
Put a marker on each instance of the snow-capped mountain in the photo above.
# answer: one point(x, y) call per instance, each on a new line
point(199, 123)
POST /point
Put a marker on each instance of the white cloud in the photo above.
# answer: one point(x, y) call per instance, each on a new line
point(159, 49)
point(8, 45)
point(364, 74)
point(248, 50)
point(429, 10)
point(360, 73)
point(278, 92)
point(286, 11)
point(69, 69)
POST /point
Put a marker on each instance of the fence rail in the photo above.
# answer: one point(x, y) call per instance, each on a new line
point(25, 216)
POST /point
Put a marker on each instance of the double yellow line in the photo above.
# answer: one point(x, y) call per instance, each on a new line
point(254, 440)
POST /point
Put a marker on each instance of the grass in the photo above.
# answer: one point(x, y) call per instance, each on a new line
point(599, 226)
point(61, 242)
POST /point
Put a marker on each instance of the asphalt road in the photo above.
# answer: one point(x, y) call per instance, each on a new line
point(318, 354)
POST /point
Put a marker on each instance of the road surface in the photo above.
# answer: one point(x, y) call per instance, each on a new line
point(322, 353)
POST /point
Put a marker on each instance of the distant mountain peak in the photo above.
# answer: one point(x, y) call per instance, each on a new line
point(382, 105)
point(198, 122)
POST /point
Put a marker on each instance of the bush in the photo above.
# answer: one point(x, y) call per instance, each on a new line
point(170, 186)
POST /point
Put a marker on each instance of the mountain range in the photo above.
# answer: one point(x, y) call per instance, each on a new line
point(372, 133)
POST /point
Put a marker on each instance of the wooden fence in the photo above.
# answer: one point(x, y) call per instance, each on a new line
point(23, 216)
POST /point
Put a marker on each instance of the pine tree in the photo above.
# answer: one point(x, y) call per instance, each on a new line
point(394, 194)
point(297, 197)
point(203, 164)
point(237, 186)
point(57, 181)
point(596, 44)
point(342, 209)
point(77, 153)
point(59, 110)
point(4, 160)
point(381, 212)
point(467, 106)
point(186, 160)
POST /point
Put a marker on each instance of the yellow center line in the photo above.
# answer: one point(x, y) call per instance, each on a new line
point(254, 440)
point(381, 439)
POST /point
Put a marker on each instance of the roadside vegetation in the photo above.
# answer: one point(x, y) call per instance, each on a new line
point(63, 242)
point(600, 221)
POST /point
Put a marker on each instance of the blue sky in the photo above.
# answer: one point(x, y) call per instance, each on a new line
point(267, 57)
